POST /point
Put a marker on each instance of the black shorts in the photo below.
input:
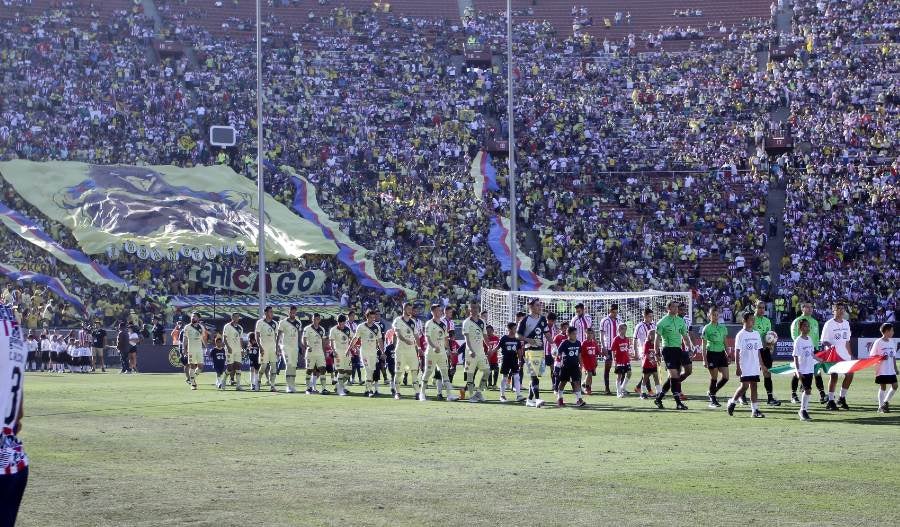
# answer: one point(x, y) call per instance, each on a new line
point(623, 369)
point(494, 366)
point(509, 368)
point(650, 370)
point(254, 360)
point(31, 356)
point(716, 359)
point(675, 358)
point(885, 379)
point(45, 356)
point(548, 360)
point(183, 360)
point(63, 358)
point(569, 374)
point(806, 380)
point(608, 355)
point(329, 368)
point(592, 371)
point(219, 367)
point(750, 378)
point(766, 355)
point(54, 356)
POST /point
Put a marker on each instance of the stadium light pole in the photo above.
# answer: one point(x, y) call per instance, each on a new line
point(260, 189)
point(511, 156)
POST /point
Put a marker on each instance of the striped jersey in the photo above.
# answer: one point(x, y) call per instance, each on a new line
point(582, 324)
point(608, 331)
point(13, 354)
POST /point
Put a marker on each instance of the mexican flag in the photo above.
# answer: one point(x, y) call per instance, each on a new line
point(851, 366)
point(828, 357)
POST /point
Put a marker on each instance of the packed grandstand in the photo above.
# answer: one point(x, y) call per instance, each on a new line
point(641, 131)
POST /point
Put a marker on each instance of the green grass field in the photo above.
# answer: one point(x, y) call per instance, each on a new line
point(109, 449)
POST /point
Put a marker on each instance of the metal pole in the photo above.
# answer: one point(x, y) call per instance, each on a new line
point(260, 189)
point(511, 158)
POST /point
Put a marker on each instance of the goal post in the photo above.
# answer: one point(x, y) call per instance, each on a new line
point(502, 306)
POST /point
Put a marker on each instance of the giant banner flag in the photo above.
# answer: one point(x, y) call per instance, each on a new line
point(499, 242)
point(53, 284)
point(483, 174)
point(161, 206)
point(32, 233)
point(349, 252)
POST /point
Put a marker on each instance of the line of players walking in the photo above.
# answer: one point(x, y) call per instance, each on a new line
point(530, 347)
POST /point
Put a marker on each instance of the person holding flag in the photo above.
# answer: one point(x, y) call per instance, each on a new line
point(836, 332)
point(804, 364)
point(886, 370)
point(807, 315)
point(763, 326)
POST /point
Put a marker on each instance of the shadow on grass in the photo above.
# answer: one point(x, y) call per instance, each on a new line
point(880, 419)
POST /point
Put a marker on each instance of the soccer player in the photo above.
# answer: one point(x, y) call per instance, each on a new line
point(807, 315)
point(491, 341)
point(98, 335)
point(253, 359)
point(13, 461)
point(288, 340)
point(234, 346)
point(510, 352)
point(804, 364)
point(714, 357)
point(405, 358)
point(436, 358)
point(218, 356)
point(672, 336)
point(178, 340)
point(748, 356)
point(558, 338)
point(266, 330)
point(195, 342)
point(621, 348)
point(476, 359)
point(649, 367)
point(763, 326)
point(590, 351)
point(370, 347)
point(569, 352)
point(531, 331)
point(641, 335)
point(314, 344)
point(886, 370)
point(340, 345)
point(581, 322)
point(836, 332)
point(608, 330)
point(452, 347)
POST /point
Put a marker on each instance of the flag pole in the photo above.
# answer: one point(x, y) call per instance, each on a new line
point(511, 161)
point(260, 188)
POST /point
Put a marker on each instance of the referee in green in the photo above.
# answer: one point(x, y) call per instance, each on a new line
point(714, 357)
point(807, 315)
point(672, 331)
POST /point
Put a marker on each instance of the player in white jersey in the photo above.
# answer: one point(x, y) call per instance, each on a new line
point(234, 348)
point(609, 327)
point(288, 338)
point(13, 461)
point(371, 343)
point(641, 334)
point(339, 336)
point(804, 366)
point(581, 322)
point(195, 339)
point(836, 332)
point(886, 370)
point(436, 355)
point(314, 344)
point(476, 360)
point(266, 330)
point(747, 346)
point(406, 360)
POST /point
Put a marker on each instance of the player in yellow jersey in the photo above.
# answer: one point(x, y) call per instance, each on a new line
point(289, 343)
point(436, 355)
point(266, 331)
point(476, 360)
point(340, 346)
point(195, 338)
point(371, 347)
point(314, 344)
point(234, 347)
point(405, 357)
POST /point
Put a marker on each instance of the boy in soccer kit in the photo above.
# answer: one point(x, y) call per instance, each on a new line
point(747, 346)
point(569, 354)
point(510, 353)
point(763, 326)
point(340, 345)
point(836, 332)
point(804, 365)
point(886, 370)
point(649, 367)
point(314, 344)
point(621, 348)
point(814, 337)
point(436, 358)
point(406, 360)
point(714, 357)
point(491, 341)
point(234, 347)
point(218, 356)
point(266, 331)
point(476, 359)
point(370, 341)
point(590, 351)
point(557, 361)
point(195, 341)
point(253, 359)
point(288, 339)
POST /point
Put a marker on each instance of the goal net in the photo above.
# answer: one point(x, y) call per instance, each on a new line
point(502, 306)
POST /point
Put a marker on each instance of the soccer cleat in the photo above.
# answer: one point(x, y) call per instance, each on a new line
point(744, 401)
point(804, 415)
point(757, 415)
point(644, 396)
point(193, 386)
point(538, 403)
point(588, 391)
point(288, 390)
point(795, 399)
point(342, 393)
point(325, 391)
point(887, 408)
point(680, 405)
point(713, 405)
point(502, 398)
point(823, 397)
point(731, 407)
point(880, 409)
point(842, 403)
point(520, 398)
point(773, 402)
point(103, 370)
point(371, 394)
point(187, 381)
point(452, 397)
point(831, 406)
point(580, 403)
point(272, 389)
point(529, 403)
point(560, 403)
point(607, 392)
point(440, 397)
point(658, 402)
point(396, 396)
point(393, 391)
point(308, 392)
point(222, 387)
point(621, 395)
point(683, 397)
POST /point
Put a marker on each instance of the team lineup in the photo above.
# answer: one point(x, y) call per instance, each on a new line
point(530, 348)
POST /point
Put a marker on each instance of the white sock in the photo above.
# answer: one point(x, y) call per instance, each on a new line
point(881, 395)
point(830, 396)
point(312, 384)
point(449, 386)
point(754, 407)
point(237, 377)
point(517, 383)
point(503, 387)
point(804, 401)
point(577, 395)
point(658, 388)
point(890, 394)
point(843, 393)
